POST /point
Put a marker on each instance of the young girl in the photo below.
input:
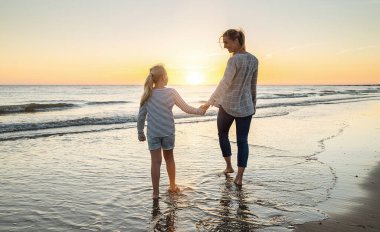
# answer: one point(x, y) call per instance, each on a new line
point(156, 104)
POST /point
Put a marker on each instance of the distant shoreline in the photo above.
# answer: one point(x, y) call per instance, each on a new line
point(185, 85)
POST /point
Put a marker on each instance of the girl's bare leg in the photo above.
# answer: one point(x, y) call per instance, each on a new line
point(229, 168)
point(156, 158)
point(170, 168)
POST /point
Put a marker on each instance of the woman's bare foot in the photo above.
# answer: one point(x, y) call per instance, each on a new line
point(238, 181)
point(174, 189)
point(228, 170)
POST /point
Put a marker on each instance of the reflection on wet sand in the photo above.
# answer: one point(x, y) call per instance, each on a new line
point(234, 211)
point(164, 221)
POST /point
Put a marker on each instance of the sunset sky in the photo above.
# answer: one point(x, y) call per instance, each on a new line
point(117, 41)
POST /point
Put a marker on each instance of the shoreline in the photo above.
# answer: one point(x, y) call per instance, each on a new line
point(364, 217)
point(353, 202)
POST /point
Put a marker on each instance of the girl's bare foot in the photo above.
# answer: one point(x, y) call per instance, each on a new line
point(228, 170)
point(174, 189)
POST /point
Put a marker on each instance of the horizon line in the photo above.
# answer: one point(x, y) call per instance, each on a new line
point(377, 84)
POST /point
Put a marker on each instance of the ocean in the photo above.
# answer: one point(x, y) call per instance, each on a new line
point(35, 111)
point(70, 161)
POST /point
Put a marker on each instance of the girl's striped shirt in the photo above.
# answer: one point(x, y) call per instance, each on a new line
point(158, 112)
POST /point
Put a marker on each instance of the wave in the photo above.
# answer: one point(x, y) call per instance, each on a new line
point(321, 93)
point(58, 129)
point(115, 120)
point(57, 133)
point(316, 102)
point(34, 107)
point(290, 95)
point(41, 107)
point(349, 92)
point(86, 121)
point(107, 102)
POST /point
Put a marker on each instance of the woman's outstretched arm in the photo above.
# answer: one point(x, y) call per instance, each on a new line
point(226, 81)
point(253, 88)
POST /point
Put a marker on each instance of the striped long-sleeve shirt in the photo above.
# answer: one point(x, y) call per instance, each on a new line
point(158, 111)
point(236, 92)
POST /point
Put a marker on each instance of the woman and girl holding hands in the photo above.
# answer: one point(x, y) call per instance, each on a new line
point(235, 96)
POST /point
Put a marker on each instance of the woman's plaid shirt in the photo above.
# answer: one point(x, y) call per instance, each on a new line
point(236, 92)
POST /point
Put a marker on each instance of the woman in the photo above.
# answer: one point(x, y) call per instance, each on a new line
point(235, 96)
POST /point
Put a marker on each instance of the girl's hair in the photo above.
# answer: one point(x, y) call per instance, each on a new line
point(235, 34)
point(155, 74)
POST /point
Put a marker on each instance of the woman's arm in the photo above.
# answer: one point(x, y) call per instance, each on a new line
point(185, 107)
point(141, 122)
point(226, 81)
point(254, 87)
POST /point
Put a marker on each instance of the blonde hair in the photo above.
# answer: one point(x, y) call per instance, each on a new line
point(235, 34)
point(156, 73)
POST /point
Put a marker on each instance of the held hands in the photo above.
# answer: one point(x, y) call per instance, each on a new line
point(204, 108)
point(142, 137)
point(203, 111)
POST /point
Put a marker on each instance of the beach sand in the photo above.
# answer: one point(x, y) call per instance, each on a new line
point(364, 217)
point(354, 203)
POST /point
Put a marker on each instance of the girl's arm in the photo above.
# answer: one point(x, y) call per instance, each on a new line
point(185, 107)
point(226, 81)
point(141, 122)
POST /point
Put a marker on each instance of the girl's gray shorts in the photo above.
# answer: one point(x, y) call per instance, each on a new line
point(166, 142)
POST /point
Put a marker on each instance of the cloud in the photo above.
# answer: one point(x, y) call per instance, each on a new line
point(351, 50)
point(270, 55)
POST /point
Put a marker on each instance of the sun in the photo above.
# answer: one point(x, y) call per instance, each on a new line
point(194, 78)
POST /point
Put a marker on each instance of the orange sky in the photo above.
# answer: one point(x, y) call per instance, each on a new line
point(116, 42)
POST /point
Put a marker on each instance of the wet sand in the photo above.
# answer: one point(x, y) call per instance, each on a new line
point(354, 204)
point(365, 217)
point(101, 181)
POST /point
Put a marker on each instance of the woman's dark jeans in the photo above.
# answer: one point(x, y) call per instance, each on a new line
point(224, 122)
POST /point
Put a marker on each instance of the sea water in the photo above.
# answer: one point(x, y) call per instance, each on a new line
point(70, 161)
